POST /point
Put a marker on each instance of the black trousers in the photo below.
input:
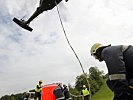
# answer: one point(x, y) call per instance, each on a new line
point(37, 95)
point(128, 96)
point(87, 97)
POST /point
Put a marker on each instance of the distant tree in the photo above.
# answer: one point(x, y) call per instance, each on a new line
point(6, 97)
point(75, 94)
point(80, 81)
point(18, 96)
point(73, 90)
point(96, 74)
point(12, 97)
point(95, 80)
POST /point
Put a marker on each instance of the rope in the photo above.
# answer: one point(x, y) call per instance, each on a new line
point(68, 39)
point(76, 96)
point(71, 46)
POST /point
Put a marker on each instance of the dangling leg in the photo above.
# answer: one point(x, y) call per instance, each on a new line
point(38, 11)
point(25, 24)
point(44, 5)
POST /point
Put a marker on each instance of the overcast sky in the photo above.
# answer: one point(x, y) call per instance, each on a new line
point(26, 57)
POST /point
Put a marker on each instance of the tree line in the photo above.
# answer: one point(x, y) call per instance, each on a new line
point(95, 78)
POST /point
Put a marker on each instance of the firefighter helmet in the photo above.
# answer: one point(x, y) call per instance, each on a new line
point(95, 47)
point(84, 86)
point(40, 81)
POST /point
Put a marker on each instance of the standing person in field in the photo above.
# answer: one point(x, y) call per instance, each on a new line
point(85, 92)
point(119, 61)
point(58, 92)
point(66, 93)
point(38, 90)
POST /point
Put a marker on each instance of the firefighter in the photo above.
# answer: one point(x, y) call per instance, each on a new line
point(58, 92)
point(38, 90)
point(66, 92)
point(85, 92)
point(120, 68)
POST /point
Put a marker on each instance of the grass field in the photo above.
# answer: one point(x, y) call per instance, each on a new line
point(103, 94)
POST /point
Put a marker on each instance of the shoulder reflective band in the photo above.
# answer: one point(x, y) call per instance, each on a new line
point(61, 98)
point(131, 87)
point(117, 76)
point(124, 48)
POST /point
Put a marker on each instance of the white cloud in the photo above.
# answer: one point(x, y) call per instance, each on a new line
point(26, 57)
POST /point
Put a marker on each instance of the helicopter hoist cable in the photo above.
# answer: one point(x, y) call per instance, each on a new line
point(71, 46)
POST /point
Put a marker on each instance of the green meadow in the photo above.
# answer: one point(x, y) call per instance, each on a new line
point(103, 94)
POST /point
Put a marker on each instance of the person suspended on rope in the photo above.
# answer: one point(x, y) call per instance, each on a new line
point(58, 92)
point(66, 93)
point(44, 5)
point(38, 90)
point(120, 68)
point(85, 92)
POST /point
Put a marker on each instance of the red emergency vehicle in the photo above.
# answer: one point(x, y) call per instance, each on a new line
point(47, 91)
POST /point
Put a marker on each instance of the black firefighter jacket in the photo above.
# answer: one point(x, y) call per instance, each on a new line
point(119, 61)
